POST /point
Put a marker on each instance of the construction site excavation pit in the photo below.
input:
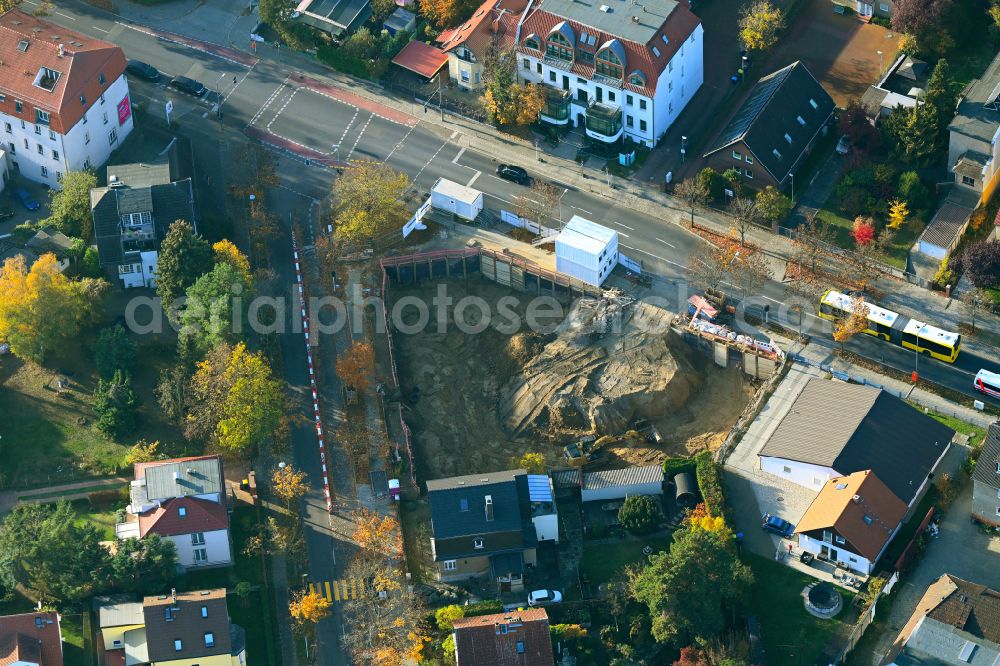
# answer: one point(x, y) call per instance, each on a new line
point(485, 380)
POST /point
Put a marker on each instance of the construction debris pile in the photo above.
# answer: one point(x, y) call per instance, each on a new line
point(610, 360)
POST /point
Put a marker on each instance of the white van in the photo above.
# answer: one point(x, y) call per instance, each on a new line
point(988, 382)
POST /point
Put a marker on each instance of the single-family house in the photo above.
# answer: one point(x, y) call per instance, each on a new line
point(851, 521)
point(834, 429)
point(490, 524)
point(133, 213)
point(31, 639)
point(467, 44)
point(612, 484)
point(774, 129)
point(514, 638)
point(973, 147)
point(955, 622)
point(184, 501)
point(902, 85)
point(176, 629)
point(986, 480)
point(865, 9)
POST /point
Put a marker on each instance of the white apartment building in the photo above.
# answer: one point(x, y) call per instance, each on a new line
point(619, 69)
point(64, 98)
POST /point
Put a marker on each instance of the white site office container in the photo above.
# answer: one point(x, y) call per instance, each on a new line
point(586, 250)
point(451, 197)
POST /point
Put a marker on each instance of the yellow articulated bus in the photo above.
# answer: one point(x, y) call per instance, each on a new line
point(895, 328)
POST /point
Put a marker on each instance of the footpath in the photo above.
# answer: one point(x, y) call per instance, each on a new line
point(66, 491)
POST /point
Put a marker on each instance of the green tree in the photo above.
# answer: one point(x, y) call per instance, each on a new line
point(235, 401)
point(913, 191)
point(210, 311)
point(760, 23)
point(114, 350)
point(361, 44)
point(711, 182)
point(445, 617)
point(184, 257)
point(913, 132)
point(91, 262)
point(117, 405)
point(773, 206)
point(534, 463)
point(70, 206)
point(506, 101)
point(942, 95)
point(144, 566)
point(49, 551)
point(639, 514)
point(690, 589)
point(368, 205)
point(275, 13)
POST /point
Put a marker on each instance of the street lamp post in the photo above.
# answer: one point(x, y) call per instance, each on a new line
point(743, 68)
point(792, 175)
point(880, 67)
point(218, 91)
point(684, 141)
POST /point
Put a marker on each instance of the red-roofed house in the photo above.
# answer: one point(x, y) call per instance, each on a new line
point(516, 637)
point(466, 45)
point(64, 99)
point(182, 500)
point(422, 59)
point(30, 639)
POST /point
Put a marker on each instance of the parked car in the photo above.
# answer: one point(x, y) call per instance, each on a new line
point(514, 174)
point(26, 199)
point(844, 145)
point(776, 525)
point(142, 70)
point(190, 86)
point(543, 597)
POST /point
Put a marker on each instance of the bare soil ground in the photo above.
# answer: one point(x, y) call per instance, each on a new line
point(455, 386)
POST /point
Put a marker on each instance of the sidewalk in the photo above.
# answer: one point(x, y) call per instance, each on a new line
point(10, 498)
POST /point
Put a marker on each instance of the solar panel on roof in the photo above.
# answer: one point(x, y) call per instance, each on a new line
point(539, 489)
point(752, 108)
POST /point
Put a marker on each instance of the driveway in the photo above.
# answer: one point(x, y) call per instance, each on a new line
point(961, 549)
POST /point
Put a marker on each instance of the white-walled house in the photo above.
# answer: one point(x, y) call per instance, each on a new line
point(182, 500)
point(618, 69)
point(68, 106)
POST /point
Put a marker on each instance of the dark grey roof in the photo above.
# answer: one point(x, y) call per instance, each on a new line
point(615, 478)
point(132, 200)
point(872, 101)
point(986, 466)
point(172, 202)
point(567, 478)
point(120, 614)
point(199, 476)
point(142, 174)
point(972, 164)
point(852, 428)
point(771, 111)
point(947, 224)
point(507, 563)
point(458, 504)
point(974, 118)
point(631, 22)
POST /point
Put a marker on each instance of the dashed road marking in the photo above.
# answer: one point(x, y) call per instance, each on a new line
point(360, 134)
point(666, 243)
point(672, 263)
point(473, 179)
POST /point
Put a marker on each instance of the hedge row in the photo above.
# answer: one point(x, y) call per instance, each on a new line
point(485, 607)
point(333, 57)
point(673, 466)
point(710, 485)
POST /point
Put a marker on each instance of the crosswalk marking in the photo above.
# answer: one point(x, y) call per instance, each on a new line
point(337, 590)
point(327, 583)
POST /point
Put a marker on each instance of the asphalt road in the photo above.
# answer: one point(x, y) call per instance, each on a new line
point(338, 128)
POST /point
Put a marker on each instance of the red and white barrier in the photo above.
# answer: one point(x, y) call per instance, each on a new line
point(312, 376)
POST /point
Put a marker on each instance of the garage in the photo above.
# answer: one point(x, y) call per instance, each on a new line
point(620, 483)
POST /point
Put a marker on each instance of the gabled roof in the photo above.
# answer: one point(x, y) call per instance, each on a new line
point(197, 475)
point(50, 239)
point(84, 59)
point(458, 504)
point(770, 117)
point(184, 515)
point(120, 614)
point(986, 467)
point(493, 18)
point(664, 28)
point(978, 116)
point(859, 508)
point(187, 623)
point(852, 428)
point(517, 637)
point(421, 58)
point(31, 637)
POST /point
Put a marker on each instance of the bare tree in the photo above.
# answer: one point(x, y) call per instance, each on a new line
point(749, 270)
point(707, 265)
point(693, 193)
point(745, 216)
point(542, 202)
point(811, 241)
point(975, 299)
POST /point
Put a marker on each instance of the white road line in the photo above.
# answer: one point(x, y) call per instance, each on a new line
point(343, 134)
point(401, 142)
point(282, 109)
point(455, 159)
point(473, 179)
point(417, 176)
point(453, 135)
point(623, 226)
point(358, 140)
point(771, 299)
point(582, 210)
point(666, 243)
point(71, 18)
point(94, 27)
point(672, 263)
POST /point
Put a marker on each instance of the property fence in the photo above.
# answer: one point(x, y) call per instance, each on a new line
point(867, 617)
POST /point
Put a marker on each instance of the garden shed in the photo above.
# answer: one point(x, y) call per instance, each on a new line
point(620, 483)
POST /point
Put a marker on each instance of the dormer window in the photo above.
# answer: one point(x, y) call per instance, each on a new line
point(83, 100)
point(531, 42)
point(813, 103)
point(557, 46)
point(22, 45)
point(611, 60)
point(477, 543)
point(132, 221)
point(182, 511)
point(637, 78)
point(46, 78)
point(42, 117)
point(788, 138)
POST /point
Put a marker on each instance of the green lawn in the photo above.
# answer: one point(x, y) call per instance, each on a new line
point(76, 650)
point(261, 635)
point(791, 635)
point(101, 517)
point(415, 521)
point(841, 228)
point(601, 563)
point(975, 433)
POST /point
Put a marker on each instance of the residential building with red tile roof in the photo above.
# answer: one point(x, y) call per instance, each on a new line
point(64, 98)
point(182, 500)
point(514, 638)
point(30, 639)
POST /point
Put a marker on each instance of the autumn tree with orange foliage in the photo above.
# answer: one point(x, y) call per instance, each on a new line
point(508, 102)
point(856, 322)
point(307, 609)
point(376, 534)
point(356, 365)
point(289, 484)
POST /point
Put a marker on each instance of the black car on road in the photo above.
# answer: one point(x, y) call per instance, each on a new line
point(190, 86)
point(142, 70)
point(514, 174)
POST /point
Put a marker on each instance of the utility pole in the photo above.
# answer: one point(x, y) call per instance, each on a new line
point(218, 91)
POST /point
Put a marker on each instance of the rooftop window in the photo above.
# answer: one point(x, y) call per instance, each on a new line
point(46, 78)
point(22, 45)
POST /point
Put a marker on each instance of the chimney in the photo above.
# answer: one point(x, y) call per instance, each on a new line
point(489, 508)
point(62, 50)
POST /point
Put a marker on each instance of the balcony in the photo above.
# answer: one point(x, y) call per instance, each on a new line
point(556, 111)
point(604, 122)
